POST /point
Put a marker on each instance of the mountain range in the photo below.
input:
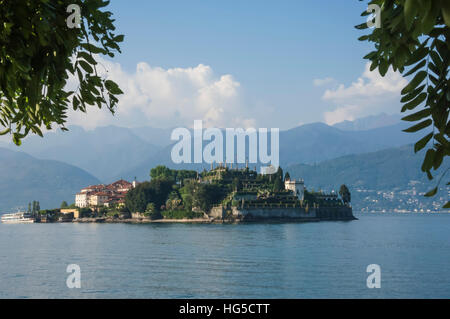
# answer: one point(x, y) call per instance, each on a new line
point(112, 152)
point(323, 155)
point(103, 152)
point(388, 169)
point(308, 144)
point(25, 178)
point(369, 122)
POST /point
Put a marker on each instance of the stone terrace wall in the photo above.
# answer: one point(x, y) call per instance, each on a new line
point(277, 213)
point(335, 213)
point(274, 213)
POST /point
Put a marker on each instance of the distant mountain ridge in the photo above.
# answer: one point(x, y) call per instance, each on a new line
point(103, 152)
point(310, 143)
point(25, 178)
point(385, 169)
point(369, 122)
point(111, 152)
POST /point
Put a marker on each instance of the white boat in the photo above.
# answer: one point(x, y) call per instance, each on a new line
point(18, 218)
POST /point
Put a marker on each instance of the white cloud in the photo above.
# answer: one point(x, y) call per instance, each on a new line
point(370, 94)
point(344, 113)
point(170, 97)
point(321, 82)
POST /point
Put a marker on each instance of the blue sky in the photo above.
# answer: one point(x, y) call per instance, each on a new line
point(272, 51)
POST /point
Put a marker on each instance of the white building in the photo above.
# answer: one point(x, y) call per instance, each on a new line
point(98, 199)
point(82, 200)
point(99, 195)
point(298, 187)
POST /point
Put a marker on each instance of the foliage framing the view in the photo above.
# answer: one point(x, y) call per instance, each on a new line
point(414, 38)
point(38, 54)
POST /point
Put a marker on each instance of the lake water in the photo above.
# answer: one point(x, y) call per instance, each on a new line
point(320, 260)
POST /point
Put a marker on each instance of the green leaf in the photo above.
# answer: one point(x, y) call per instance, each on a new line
point(75, 103)
point(417, 55)
point(440, 138)
point(438, 158)
point(16, 139)
point(410, 10)
point(362, 26)
point(429, 19)
point(422, 143)
point(374, 65)
point(437, 60)
point(412, 94)
point(370, 55)
point(383, 67)
point(87, 57)
point(112, 87)
point(363, 38)
point(6, 131)
point(428, 161)
point(419, 99)
point(419, 126)
point(92, 48)
point(119, 38)
point(432, 192)
point(446, 12)
point(448, 203)
point(86, 66)
point(420, 76)
point(418, 115)
point(417, 67)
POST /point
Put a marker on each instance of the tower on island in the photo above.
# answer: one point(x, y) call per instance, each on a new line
point(298, 187)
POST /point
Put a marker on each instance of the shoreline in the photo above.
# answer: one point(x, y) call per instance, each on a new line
point(201, 221)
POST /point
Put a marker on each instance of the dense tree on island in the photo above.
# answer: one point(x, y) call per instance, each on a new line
point(202, 196)
point(237, 184)
point(161, 188)
point(156, 191)
point(280, 173)
point(162, 171)
point(278, 184)
point(39, 53)
point(174, 201)
point(414, 39)
point(64, 204)
point(178, 176)
point(344, 192)
point(163, 198)
point(85, 212)
point(37, 208)
point(206, 196)
point(34, 208)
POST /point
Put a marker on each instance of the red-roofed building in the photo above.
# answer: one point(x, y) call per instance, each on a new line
point(104, 195)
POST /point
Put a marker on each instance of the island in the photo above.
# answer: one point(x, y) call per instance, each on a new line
point(222, 194)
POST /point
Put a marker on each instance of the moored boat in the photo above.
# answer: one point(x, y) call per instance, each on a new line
point(18, 218)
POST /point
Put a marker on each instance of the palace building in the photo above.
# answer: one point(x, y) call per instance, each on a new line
point(104, 195)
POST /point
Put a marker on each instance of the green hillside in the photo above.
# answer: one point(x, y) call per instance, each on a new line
point(25, 178)
point(386, 169)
